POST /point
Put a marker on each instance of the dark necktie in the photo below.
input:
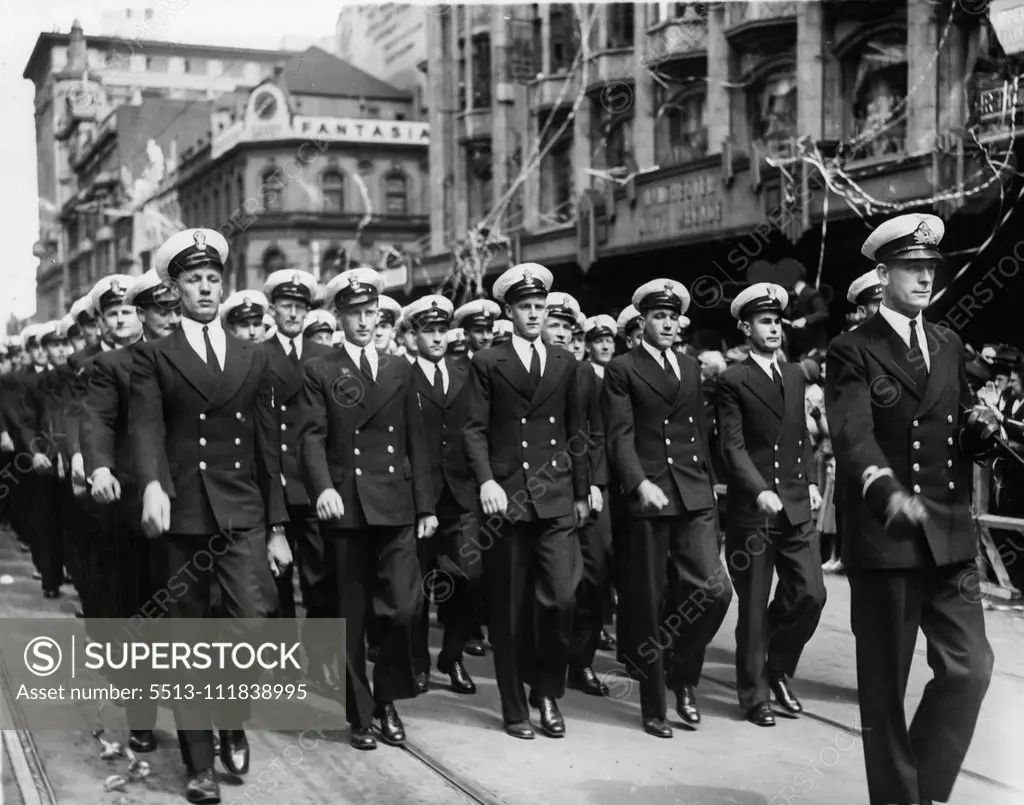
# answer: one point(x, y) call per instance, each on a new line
point(916, 356)
point(777, 379)
point(211, 356)
point(534, 366)
point(668, 369)
point(293, 353)
point(438, 383)
point(364, 365)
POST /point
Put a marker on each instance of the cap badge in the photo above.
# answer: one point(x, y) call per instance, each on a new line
point(924, 236)
point(669, 289)
point(527, 276)
point(296, 279)
point(115, 286)
point(200, 239)
point(433, 303)
point(772, 293)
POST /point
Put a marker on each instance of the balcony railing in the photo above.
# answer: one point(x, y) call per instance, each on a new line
point(675, 38)
point(767, 10)
point(545, 90)
point(612, 65)
point(998, 108)
point(762, 26)
point(474, 124)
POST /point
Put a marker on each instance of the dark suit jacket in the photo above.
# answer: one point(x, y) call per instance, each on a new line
point(44, 427)
point(103, 422)
point(444, 420)
point(19, 412)
point(366, 440)
point(808, 304)
point(532, 442)
point(81, 363)
point(880, 419)
point(212, 444)
point(286, 379)
point(590, 398)
point(655, 433)
point(765, 444)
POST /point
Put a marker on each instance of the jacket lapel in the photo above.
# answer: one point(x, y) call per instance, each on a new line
point(457, 376)
point(687, 376)
point(557, 364)
point(287, 376)
point(512, 369)
point(889, 349)
point(423, 387)
point(189, 364)
point(389, 380)
point(652, 374)
point(762, 387)
point(237, 360)
point(939, 375)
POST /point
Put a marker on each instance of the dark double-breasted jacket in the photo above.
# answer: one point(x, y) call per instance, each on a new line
point(764, 441)
point(533, 442)
point(443, 419)
point(658, 431)
point(906, 437)
point(286, 378)
point(103, 423)
point(210, 441)
point(366, 440)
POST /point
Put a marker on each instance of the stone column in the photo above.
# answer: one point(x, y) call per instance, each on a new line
point(810, 72)
point(644, 106)
point(717, 113)
point(922, 37)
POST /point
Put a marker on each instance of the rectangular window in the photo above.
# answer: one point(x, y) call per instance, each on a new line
point(482, 71)
point(620, 25)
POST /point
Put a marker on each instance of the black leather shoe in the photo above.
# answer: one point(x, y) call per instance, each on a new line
point(216, 744)
point(475, 648)
point(326, 679)
point(36, 575)
point(585, 680)
point(234, 751)
point(202, 787)
point(423, 682)
point(461, 681)
point(686, 707)
point(51, 593)
point(362, 739)
point(521, 729)
point(391, 730)
point(657, 727)
point(372, 652)
point(785, 698)
point(141, 741)
point(551, 722)
point(761, 714)
point(605, 641)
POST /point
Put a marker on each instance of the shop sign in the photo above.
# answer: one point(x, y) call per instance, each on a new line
point(681, 206)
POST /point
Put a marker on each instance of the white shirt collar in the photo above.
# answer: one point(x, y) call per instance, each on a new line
point(429, 368)
point(901, 324)
point(766, 364)
point(371, 355)
point(522, 348)
point(193, 331)
point(598, 370)
point(656, 353)
point(286, 343)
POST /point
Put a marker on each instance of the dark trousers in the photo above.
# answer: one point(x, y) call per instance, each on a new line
point(676, 593)
point(771, 637)
point(75, 551)
point(47, 544)
point(319, 599)
point(592, 592)
point(449, 582)
point(528, 563)
point(377, 572)
point(887, 607)
point(16, 468)
point(236, 563)
point(618, 518)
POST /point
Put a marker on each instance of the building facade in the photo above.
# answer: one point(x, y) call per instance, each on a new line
point(79, 83)
point(320, 167)
point(691, 139)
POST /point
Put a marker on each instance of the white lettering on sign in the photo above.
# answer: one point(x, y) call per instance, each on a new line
point(362, 131)
point(673, 208)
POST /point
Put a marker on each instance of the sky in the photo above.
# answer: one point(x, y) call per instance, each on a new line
point(240, 23)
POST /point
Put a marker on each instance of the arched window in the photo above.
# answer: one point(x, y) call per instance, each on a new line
point(875, 74)
point(273, 260)
point(271, 189)
point(332, 185)
point(679, 134)
point(396, 194)
point(773, 109)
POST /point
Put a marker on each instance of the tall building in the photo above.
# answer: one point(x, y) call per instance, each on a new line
point(388, 40)
point(319, 167)
point(690, 139)
point(79, 82)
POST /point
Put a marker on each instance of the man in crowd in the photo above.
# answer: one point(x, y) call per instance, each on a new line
point(242, 315)
point(523, 410)
point(769, 462)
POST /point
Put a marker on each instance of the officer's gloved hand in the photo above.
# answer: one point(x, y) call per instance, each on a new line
point(156, 510)
point(493, 498)
point(105, 487)
point(769, 503)
point(6, 442)
point(41, 462)
point(596, 500)
point(651, 496)
point(78, 475)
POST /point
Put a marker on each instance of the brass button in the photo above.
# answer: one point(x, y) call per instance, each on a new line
point(776, 481)
point(949, 441)
point(917, 489)
point(356, 432)
point(798, 461)
point(949, 419)
point(553, 442)
point(668, 441)
point(355, 451)
point(952, 485)
point(694, 459)
point(391, 428)
point(284, 448)
point(238, 415)
point(391, 449)
point(284, 427)
point(202, 465)
point(358, 471)
point(799, 476)
point(202, 417)
point(913, 424)
point(776, 447)
point(917, 445)
point(554, 463)
point(391, 469)
point(800, 443)
point(670, 460)
point(526, 465)
point(776, 464)
point(917, 467)
point(666, 421)
point(551, 420)
point(691, 420)
point(238, 442)
point(523, 421)
point(949, 462)
point(202, 442)
point(525, 444)
point(238, 465)
point(284, 407)
point(693, 439)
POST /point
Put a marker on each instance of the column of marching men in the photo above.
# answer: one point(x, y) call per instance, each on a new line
point(497, 460)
